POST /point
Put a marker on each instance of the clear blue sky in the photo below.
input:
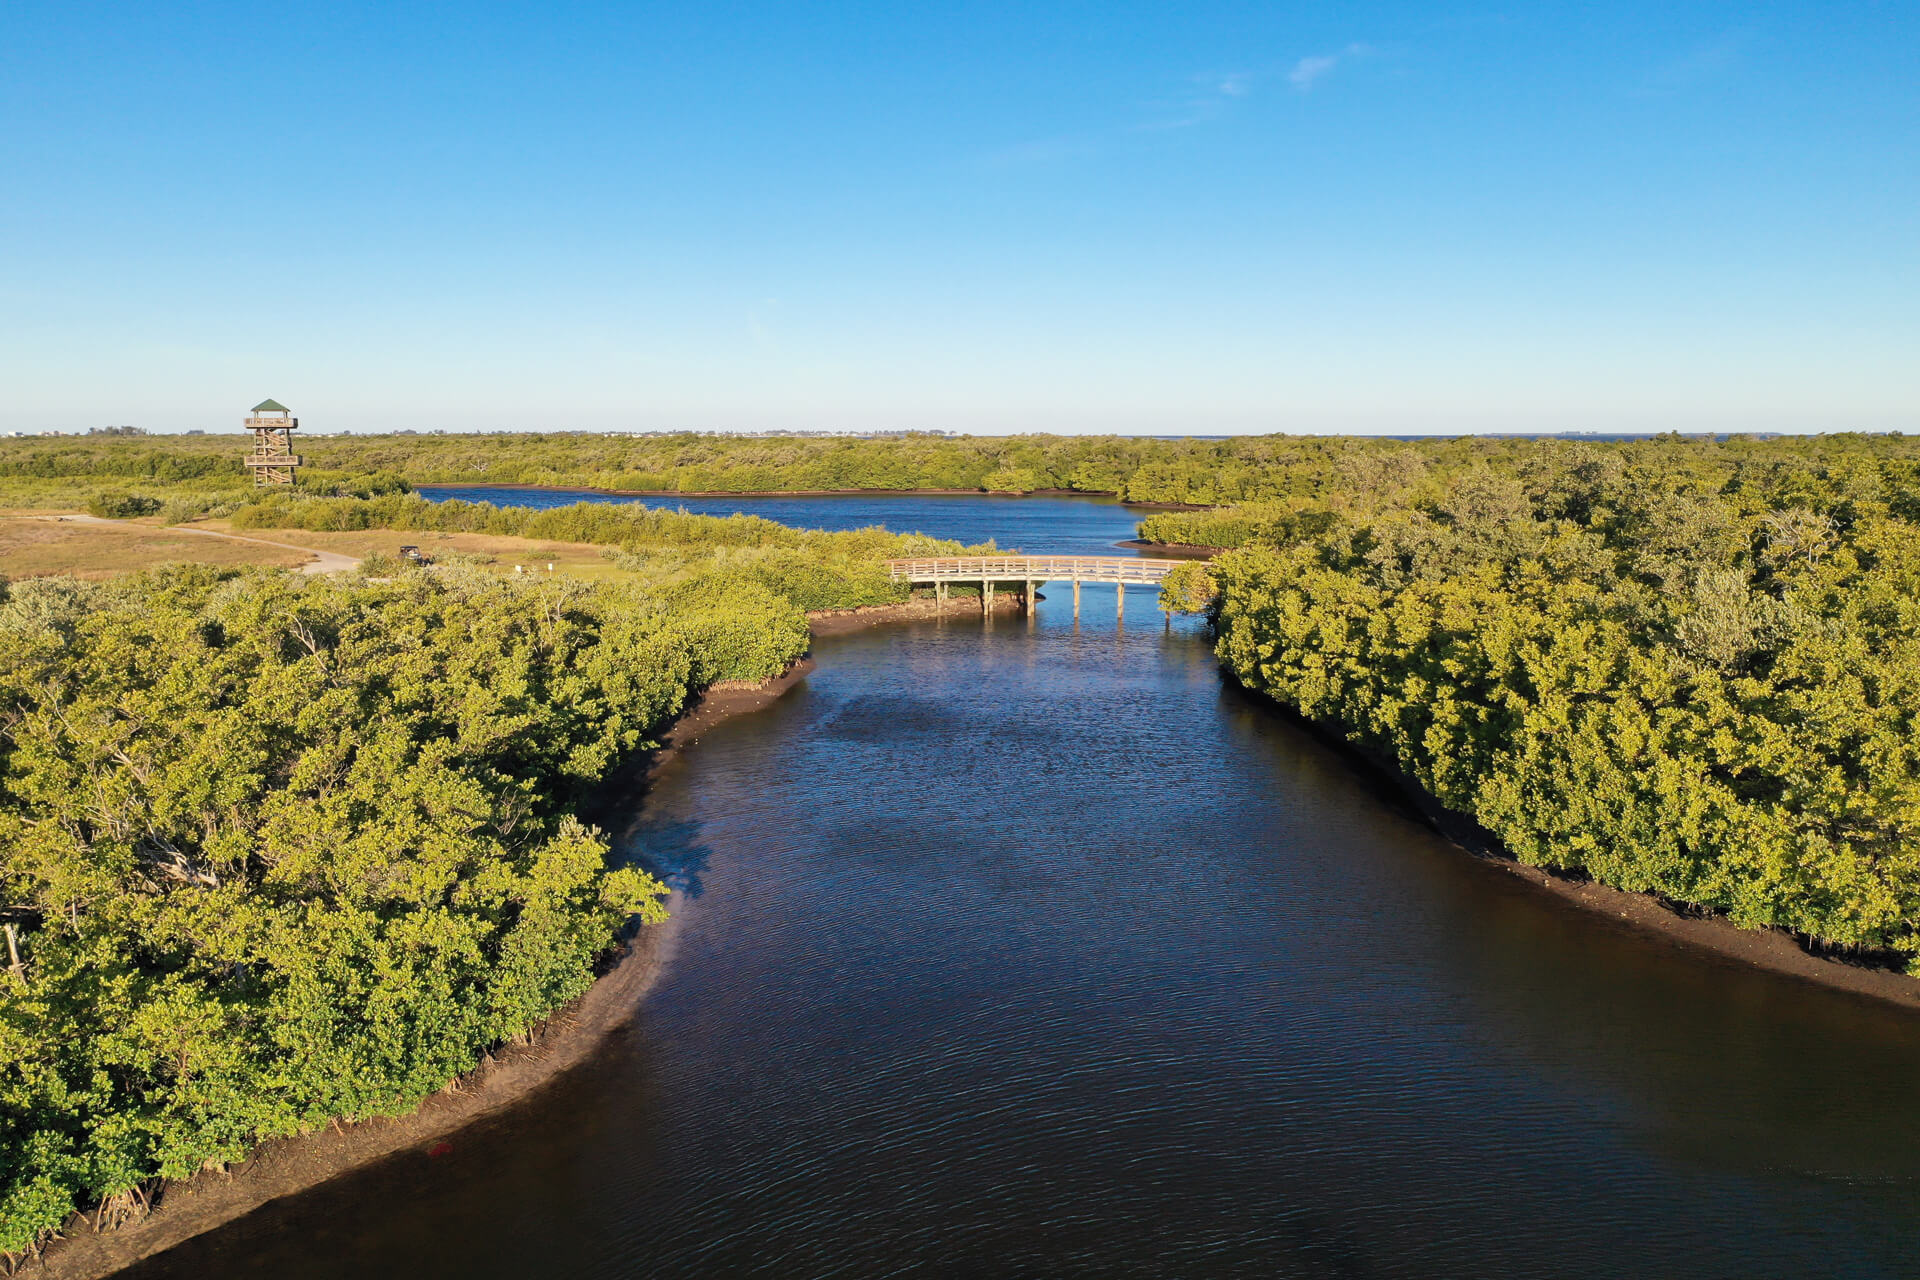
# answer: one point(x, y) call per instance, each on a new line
point(1118, 216)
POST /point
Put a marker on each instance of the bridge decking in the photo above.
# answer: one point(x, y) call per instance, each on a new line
point(1117, 569)
point(1030, 571)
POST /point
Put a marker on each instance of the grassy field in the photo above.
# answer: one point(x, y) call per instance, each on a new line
point(39, 544)
point(577, 558)
point(33, 546)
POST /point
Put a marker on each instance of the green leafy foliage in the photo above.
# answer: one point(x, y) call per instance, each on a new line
point(285, 849)
point(1010, 480)
point(1689, 671)
point(1189, 588)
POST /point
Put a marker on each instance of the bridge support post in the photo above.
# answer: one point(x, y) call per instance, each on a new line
point(1030, 594)
point(986, 597)
point(1076, 599)
point(939, 595)
point(1119, 601)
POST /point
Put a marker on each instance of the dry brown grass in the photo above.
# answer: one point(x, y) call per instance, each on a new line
point(33, 546)
point(579, 559)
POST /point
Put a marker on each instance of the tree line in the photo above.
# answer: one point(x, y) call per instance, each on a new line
point(1141, 469)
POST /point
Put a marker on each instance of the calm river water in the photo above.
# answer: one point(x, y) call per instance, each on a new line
point(1051, 525)
point(1028, 949)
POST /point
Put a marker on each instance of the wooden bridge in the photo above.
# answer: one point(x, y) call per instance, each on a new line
point(1030, 572)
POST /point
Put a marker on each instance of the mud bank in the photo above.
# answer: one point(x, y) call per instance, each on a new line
point(837, 622)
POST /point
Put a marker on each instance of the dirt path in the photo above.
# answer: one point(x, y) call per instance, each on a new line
point(323, 562)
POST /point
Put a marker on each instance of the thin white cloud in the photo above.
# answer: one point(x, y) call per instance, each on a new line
point(1308, 71)
point(1213, 95)
point(1213, 92)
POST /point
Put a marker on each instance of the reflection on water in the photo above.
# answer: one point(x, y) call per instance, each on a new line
point(1035, 950)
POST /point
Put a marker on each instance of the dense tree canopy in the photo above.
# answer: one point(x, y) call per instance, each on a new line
point(1677, 672)
point(281, 849)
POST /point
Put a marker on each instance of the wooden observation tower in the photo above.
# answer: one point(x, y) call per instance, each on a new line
point(273, 459)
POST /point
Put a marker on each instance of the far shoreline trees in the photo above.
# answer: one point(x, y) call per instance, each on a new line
point(1236, 470)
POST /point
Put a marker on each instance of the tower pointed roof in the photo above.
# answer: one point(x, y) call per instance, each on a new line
point(270, 406)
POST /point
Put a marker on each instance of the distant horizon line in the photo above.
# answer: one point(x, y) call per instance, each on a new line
point(123, 433)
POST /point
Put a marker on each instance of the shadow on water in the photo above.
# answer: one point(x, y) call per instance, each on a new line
point(1031, 950)
point(673, 851)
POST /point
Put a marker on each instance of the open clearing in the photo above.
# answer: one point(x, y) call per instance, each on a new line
point(39, 544)
point(33, 546)
point(577, 558)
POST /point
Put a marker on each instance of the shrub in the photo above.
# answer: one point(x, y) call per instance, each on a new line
point(121, 506)
point(181, 510)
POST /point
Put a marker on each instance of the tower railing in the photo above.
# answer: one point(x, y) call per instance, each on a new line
point(272, 459)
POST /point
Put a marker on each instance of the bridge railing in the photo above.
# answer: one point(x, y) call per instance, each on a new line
point(1036, 568)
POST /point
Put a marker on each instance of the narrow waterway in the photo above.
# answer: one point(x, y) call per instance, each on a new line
point(1051, 524)
point(1023, 949)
